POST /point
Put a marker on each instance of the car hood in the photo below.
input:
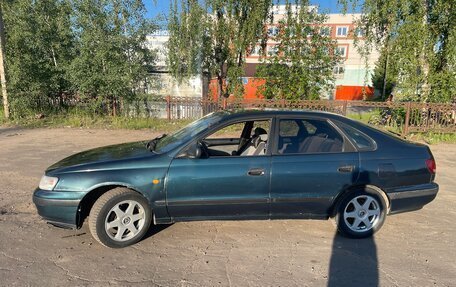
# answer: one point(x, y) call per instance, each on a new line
point(104, 154)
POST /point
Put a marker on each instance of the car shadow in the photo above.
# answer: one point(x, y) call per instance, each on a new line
point(155, 229)
point(353, 262)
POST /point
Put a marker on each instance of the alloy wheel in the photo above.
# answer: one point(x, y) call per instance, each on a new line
point(125, 220)
point(362, 213)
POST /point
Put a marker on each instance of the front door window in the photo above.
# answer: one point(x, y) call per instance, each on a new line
point(248, 138)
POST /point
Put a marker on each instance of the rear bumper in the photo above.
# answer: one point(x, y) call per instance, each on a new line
point(412, 197)
point(58, 208)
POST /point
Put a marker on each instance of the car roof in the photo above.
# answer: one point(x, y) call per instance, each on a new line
point(232, 114)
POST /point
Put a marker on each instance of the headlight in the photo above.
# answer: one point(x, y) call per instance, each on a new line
point(48, 182)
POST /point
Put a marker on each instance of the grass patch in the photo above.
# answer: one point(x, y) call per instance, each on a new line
point(2, 117)
point(75, 120)
point(433, 137)
point(366, 117)
point(363, 117)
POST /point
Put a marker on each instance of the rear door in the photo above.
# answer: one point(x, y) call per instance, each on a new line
point(312, 163)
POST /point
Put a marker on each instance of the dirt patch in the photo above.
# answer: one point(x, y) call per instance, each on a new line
point(412, 249)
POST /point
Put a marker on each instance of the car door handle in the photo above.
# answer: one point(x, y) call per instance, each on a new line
point(256, 171)
point(345, 168)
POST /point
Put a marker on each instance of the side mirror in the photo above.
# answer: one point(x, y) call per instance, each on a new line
point(194, 151)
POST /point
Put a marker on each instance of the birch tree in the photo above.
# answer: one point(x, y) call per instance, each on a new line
point(213, 37)
point(417, 38)
point(301, 65)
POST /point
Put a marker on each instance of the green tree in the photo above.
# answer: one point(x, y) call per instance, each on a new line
point(112, 59)
point(6, 109)
point(301, 65)
point(417, 37)
point(442, 79)
point(212, 37)
point(38, 51)
point(189, 42)
point(381, 72)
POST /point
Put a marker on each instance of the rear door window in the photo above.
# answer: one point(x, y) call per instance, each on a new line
point(307, 136)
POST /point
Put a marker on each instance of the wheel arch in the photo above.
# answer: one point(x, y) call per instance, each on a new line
point(373, 188)
point(91, 197)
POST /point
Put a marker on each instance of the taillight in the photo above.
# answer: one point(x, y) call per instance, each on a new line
point(430, 163)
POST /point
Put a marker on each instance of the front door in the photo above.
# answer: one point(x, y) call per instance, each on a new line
point(223, 184)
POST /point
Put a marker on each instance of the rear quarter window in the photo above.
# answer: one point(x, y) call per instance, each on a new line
point(359, 139)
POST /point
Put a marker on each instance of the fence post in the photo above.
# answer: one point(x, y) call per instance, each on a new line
point(344, 108)
point(114, 107)
point(407, 119)
point(224, 103)
point(168, 107)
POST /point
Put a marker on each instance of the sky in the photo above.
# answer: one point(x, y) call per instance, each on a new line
point(157, 7)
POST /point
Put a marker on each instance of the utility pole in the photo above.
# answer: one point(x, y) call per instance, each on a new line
point(2, 65)
point(385, 71)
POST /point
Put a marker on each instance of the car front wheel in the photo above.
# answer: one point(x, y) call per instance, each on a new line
point(361, 214)
point(119, 218)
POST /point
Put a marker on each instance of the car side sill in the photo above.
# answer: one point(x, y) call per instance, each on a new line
point(239, 218)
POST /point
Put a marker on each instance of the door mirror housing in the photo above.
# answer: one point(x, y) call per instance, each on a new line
point(194, 151)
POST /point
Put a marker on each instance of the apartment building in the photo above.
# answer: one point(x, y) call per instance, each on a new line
point(160, 82)
point(353, 74)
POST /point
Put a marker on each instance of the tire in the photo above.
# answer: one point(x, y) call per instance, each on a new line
point(119, 218)
point(360, 214)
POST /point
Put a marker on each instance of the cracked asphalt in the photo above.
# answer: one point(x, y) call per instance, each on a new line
point(412, 249)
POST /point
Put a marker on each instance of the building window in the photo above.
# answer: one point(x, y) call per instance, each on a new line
point(273, 50)
point(290, 31)
point(273, 31)
point(342, 31)
point(339, 71)
point(308, 31)
point(359, 32)
point(325, 51)
point(341, 51)
point(255, 51)
point(325, 31)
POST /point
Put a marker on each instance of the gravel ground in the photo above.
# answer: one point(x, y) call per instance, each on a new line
point(412, 249)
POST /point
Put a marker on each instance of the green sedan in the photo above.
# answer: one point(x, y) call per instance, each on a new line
point(241, 165)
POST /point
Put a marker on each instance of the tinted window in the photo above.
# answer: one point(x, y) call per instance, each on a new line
point(247, 138)
point(361, 141)
point(288, 128)
point(308, 136)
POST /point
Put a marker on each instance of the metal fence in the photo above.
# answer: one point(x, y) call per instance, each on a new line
point(171, 108)
point(401, 117)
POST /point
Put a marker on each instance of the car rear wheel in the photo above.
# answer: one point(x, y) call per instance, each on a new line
point(119, 218)
point(361, 214)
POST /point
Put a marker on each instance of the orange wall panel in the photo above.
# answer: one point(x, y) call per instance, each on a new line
point(353, 93)
point(251, 86)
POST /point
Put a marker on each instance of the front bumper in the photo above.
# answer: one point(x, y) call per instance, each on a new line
point(58, 208)
point(412, 197)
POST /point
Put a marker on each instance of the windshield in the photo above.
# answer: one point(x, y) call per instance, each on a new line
point(185, 134)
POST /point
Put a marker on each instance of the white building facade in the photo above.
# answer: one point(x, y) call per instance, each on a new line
point(353, 74)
